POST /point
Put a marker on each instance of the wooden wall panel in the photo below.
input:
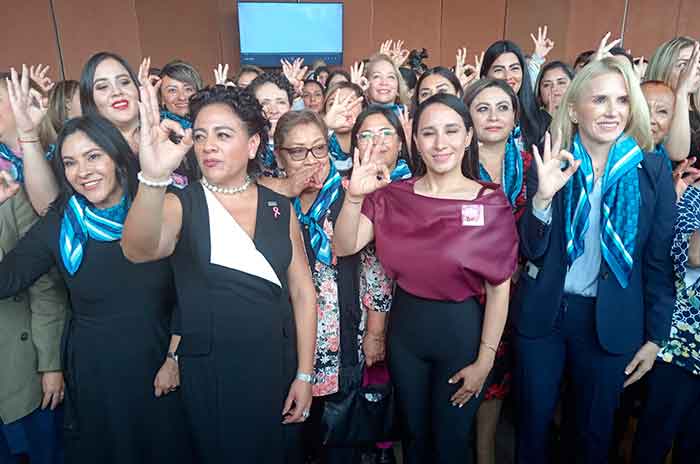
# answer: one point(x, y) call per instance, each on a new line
point(588, 21)
point(417, 22)
point(523, 17)
point(28, 36)
point(86, 28)
point(688, 19)
point(643, 30)
point(185, 30)
point(470, 23)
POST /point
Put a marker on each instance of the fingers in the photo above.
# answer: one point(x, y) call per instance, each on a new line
point(367, 152)
point(538, 158)
point(534, 39)
point(46, 400)
point(634, 370)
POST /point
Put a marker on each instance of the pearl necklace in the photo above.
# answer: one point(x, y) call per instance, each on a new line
point(228, 190)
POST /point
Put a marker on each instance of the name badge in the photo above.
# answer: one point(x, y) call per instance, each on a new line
point(472, 215)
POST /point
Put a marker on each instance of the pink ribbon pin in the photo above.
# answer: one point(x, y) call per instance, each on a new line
point(276, 211)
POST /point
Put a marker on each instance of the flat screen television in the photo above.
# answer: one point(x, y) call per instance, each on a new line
point(270, 31)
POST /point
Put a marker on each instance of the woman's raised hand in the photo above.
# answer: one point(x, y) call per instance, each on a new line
point(543, 44)
point(295, 73)
point(685, 174)
point(25, 103)
point(159, 156)
point(221, 74)
point(38, 73)
point(466, 73)
point(339, 112)
point(551, 174)
point(604, 47)
point(8, 186)
point(367, 176)
point(357, 75)
point(395, 51)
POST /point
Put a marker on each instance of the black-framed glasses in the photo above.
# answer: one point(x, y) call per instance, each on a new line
point(300, 153)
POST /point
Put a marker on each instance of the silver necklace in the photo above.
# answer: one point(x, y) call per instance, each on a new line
point(228, 190)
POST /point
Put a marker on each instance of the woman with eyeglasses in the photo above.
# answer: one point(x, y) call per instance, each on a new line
point(301, 141)
point(246, 299)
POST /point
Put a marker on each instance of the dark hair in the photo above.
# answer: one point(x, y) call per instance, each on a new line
point(87, 77)
point(274, 78)
point(583, 58)
point(245, 106)
point(393, 119)
point(292, 119)
point(533, 122)
point(315, 82)
point(409, 77)
point(338, 72)
point(108, 138)
point(479, 86)
point(568, 70)
point(440, 71)
point(415, 60)
point(321, 69)
point(247, 68)
point(619, 51)
point(470, 162)
point(183, 72)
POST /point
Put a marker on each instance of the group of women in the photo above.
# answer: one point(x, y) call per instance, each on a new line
point(232, 252)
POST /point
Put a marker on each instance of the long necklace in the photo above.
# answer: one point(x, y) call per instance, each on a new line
point(228, 190)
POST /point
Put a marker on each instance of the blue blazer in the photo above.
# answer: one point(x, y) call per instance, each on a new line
point(625, 317)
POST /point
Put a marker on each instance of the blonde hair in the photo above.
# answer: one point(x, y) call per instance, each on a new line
point(57, 113)
point(402, 96)
point(638, 125)
point(665, 57)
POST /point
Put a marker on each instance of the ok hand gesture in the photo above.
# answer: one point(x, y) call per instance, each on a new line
point(25, 103)
point(550, 175)
point(158, 154)
point(367, 176)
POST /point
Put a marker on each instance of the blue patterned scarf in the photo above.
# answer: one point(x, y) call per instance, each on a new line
point(183, 121)
point(328, 194)
point(512, 170)
point(335, 150)
point(620, 205)
point(401, 171)
point(82, 220)
point(17, 171)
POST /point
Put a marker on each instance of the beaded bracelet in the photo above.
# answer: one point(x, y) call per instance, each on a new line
point(21, 141)
point(153, 183)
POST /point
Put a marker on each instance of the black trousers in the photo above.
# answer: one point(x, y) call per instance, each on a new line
point(670, 416)
point(596, 383)
point(428, 342)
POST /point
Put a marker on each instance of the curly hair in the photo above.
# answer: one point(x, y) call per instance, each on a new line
point(275, 78)
point(245, 106)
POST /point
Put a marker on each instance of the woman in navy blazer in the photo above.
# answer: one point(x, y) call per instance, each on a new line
point(596, 294)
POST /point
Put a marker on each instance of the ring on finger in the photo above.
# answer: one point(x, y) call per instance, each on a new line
point(305, 414)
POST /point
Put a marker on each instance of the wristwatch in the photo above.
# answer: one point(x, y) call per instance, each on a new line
point(172, 355)
point(308, 378)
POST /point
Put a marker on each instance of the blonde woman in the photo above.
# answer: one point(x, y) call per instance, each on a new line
point(386, 86)
point(596, 294)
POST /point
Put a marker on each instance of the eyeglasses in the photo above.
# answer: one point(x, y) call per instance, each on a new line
point(365, 137)
point(301, 153)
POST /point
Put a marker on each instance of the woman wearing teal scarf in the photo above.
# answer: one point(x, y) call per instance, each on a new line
point(596, 294)
point(178, 82)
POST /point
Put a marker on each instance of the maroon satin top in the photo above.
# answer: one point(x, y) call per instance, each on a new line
point(443, 249)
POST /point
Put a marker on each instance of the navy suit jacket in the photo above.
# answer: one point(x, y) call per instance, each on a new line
point(625, 317)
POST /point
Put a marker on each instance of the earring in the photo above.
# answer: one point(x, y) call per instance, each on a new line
point(574, 120)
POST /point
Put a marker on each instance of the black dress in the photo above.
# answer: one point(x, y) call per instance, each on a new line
point(238, 348)
point(114, 343)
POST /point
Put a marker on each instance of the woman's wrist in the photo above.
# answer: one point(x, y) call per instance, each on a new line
point(541, 203)
point(154, 181)
point(354, 200)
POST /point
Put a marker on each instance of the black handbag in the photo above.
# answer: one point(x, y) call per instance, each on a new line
point(357, 415)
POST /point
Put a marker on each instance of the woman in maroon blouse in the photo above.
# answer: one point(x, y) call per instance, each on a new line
point(445, 238)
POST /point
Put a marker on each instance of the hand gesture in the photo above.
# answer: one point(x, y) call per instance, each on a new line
point(38, 73)
point(543, 44)
point(221, 74)
point(159, 156)
point(8, 186)
point(473, 378)
point(550, 175)
point(465, 73)
point(167, 379)
point(367, 176)
point(691, 73)
point(685, 175)
point(339, 114)
point(640, 67)
point(25, 104)
point(357, 75)
point(52, 386)
point(642, 363)
point(395, 51)
point(295, 73)
point(298, 403)
point(144, 69)
point(604, 47)
point(478, 61)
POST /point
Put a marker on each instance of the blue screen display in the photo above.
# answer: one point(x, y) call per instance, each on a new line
point(272, 31)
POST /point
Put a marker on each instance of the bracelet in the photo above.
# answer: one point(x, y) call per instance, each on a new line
point(21, 141)
point(308, 378)
point(353, 202)
point(172, 355)
point(153, 183)
point(490, 347)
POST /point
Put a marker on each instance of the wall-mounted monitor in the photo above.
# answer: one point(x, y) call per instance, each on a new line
point(270, 31)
